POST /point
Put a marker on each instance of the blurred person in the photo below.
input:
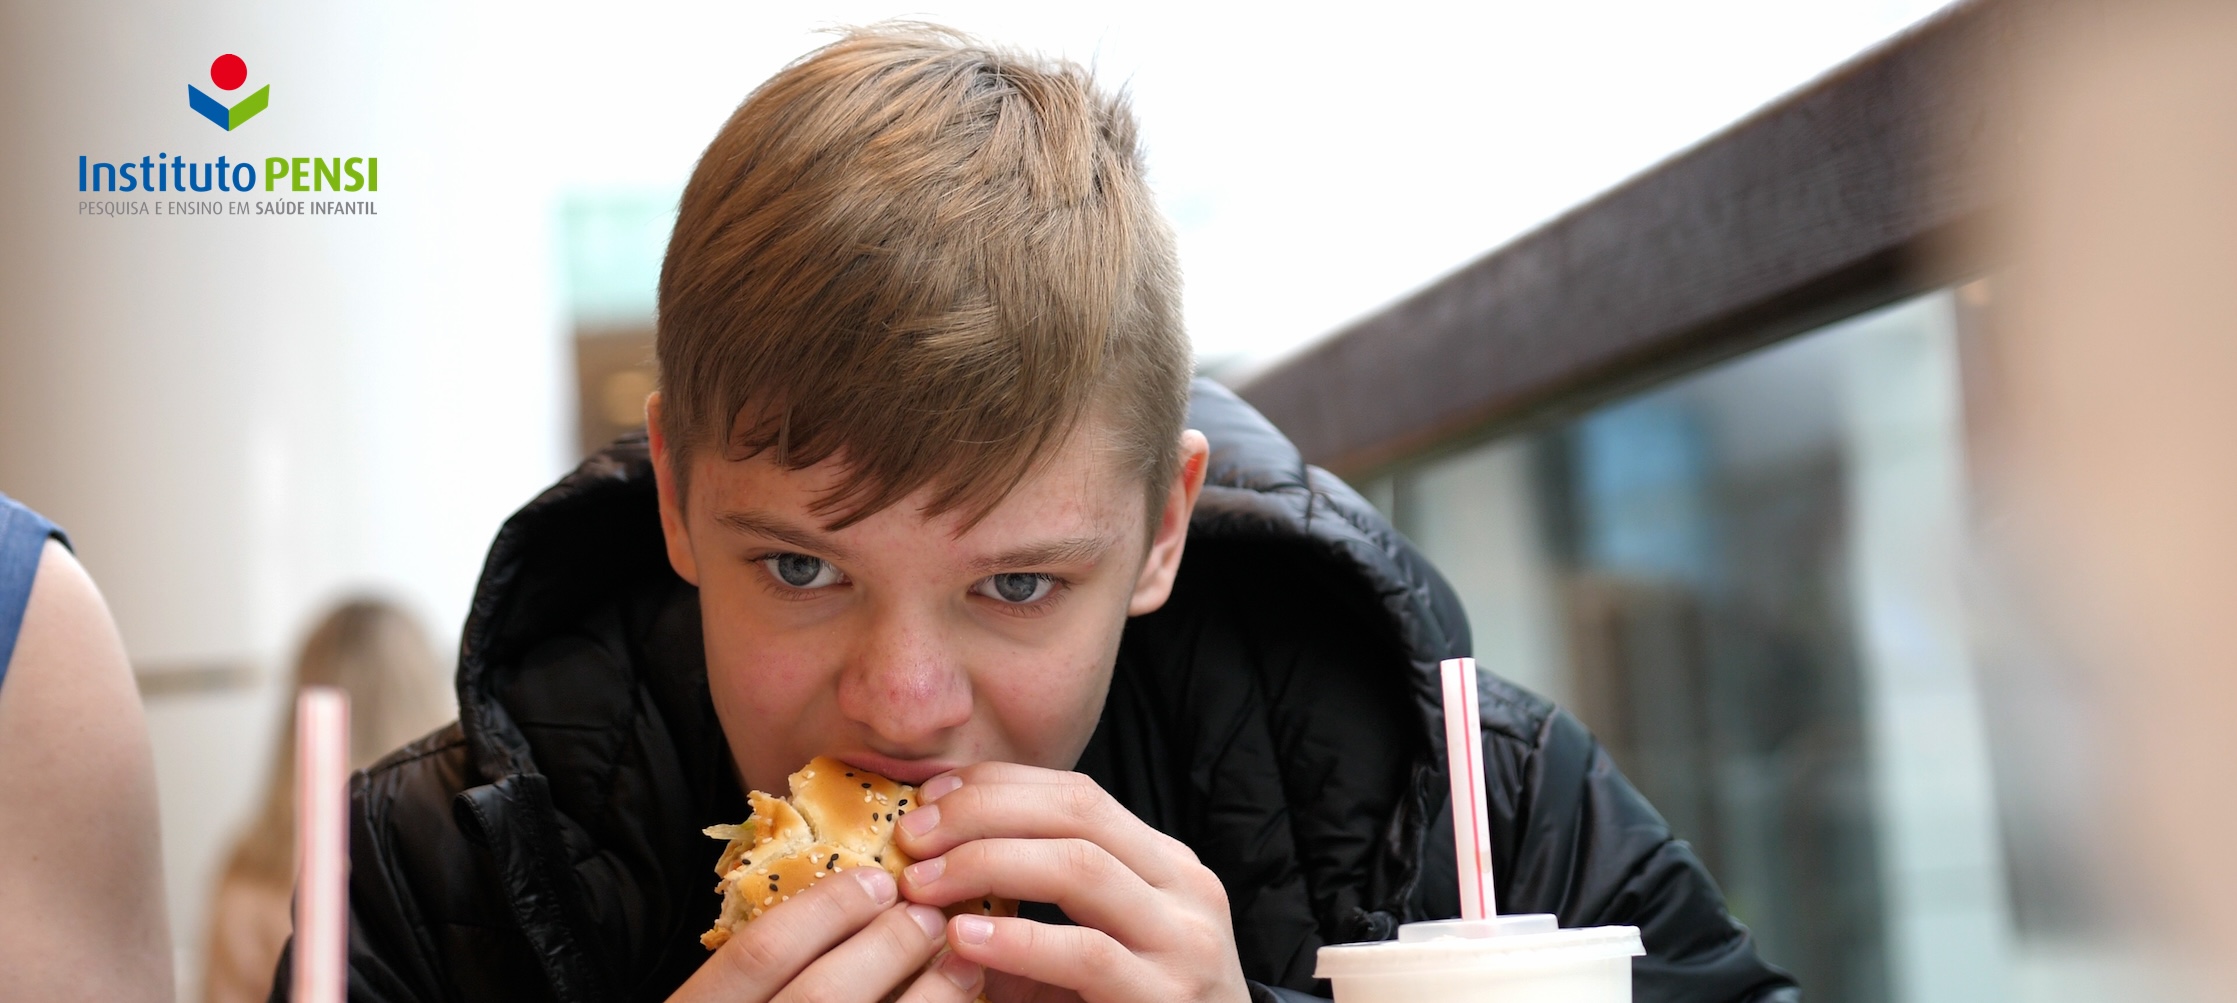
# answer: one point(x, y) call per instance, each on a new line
point(81, 865)
point(918, 479)
point(377, 653)
point(2111, 434)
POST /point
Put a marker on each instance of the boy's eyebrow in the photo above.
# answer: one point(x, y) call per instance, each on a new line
point(760, 524)
point(1077, 550)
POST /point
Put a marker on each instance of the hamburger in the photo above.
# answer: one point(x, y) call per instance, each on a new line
point(839, 817)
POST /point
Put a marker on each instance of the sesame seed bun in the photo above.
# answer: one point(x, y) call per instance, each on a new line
point(839, 817)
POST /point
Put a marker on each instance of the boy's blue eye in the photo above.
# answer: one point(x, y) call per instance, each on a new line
point(801, 571)
point(1017, 587)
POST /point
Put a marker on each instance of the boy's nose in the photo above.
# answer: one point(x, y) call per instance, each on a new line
point(906, 683)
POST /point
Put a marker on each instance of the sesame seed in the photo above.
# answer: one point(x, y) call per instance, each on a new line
point(770, 900)
point(865, 786)
point(850, 774)
point(904, 802)
point(889, 816)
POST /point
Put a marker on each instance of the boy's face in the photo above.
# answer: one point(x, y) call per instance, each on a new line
point(909, 645)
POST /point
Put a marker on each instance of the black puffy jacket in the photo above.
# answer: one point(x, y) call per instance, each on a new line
point(1280, 715)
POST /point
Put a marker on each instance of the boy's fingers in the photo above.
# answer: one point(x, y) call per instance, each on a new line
point(948, 979)
point(1082, 878)
point(1072, 957)
point(867, 966)
point(1005, 800)
point(1003, 987)
point(766, 954)
point(996, 771)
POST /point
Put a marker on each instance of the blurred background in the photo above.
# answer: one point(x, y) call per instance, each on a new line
point(1752, 562)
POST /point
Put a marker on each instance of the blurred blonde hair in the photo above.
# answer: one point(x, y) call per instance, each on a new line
point(377, 653)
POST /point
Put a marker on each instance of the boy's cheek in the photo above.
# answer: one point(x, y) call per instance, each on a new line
point(1049, 699)
point(767, 703)
point(1048, 713)
point(754, 689)
point(756, 657)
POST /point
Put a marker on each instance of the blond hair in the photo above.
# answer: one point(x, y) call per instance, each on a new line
point(376, 653)
point(931, 257)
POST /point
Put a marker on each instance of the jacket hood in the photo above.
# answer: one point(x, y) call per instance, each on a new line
point(1258, 488)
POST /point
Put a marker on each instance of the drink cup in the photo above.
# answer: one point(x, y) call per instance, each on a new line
point(1505, 959)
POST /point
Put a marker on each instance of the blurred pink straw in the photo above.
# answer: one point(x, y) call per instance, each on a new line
point(1464, 763)
point(322, 848)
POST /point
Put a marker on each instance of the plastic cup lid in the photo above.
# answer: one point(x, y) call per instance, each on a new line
point(1509, 925)
point(1472, 951)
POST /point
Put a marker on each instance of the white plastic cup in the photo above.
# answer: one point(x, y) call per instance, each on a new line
point(1505, 959)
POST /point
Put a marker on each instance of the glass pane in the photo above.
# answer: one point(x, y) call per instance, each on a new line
point(1747, 582)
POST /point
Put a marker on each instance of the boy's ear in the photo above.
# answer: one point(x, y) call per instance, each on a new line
point(1155, 584)
point(671, 508)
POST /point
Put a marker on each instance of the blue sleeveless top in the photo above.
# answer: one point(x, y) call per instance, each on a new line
point(23, 534)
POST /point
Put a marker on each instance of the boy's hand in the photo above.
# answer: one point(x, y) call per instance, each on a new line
point(840, 941)
point(1154, 921)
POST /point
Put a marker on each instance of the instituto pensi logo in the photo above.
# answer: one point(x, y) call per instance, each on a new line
point(228, 72)
point(197, 184)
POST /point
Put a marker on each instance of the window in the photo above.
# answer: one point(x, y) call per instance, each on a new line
point(1748, 583)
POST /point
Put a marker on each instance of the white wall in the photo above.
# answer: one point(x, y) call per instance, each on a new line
point(236, 417)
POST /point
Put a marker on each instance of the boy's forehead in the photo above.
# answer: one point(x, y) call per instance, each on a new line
point(1082, 484)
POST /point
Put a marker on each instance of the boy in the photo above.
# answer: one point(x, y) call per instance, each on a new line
point(916, 493)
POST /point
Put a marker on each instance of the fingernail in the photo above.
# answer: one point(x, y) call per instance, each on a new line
point(922, 820)
point(965, 974)
point(877, 883)
point(974, 929)
point(937, 786)
point(925, 872)
point(929, 919)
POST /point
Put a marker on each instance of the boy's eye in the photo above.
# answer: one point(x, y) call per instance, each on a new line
point(1016, 588)
point(801, 571)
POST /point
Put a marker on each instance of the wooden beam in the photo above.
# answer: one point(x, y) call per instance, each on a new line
point(1832, 199)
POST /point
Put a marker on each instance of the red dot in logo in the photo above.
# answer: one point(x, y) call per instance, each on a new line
point(228, 71)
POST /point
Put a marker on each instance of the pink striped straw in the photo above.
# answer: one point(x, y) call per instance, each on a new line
point(322, 845)
point(1464, 764)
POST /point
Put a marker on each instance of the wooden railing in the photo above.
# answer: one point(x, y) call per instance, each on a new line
point(1857, 190)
